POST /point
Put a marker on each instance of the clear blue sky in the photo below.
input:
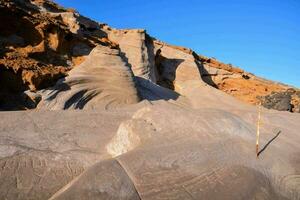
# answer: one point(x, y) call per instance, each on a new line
point(260, 36)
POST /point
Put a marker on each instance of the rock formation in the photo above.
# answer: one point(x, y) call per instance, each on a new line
point(137, 47)
point(234, 81)
point(104, 79)
point(118, 114)
point(45, 41)
point(157, 150)
point(39, 43)
point(285, 101)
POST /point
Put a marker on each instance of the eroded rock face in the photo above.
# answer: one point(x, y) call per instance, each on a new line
point(39, 43)
point(232, 80)
point(138, 48)
point(104, 80)
point(175, 66)
point(154, 120)
point(236, 82)
point(284, 101)
point(181, 152)
point(44, 41)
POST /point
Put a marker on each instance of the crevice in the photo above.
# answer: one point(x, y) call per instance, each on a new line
point(188, 193)
point(151, 58)
point(12, 81)
point(119, 162)
point(204, 74)
point(166, 70)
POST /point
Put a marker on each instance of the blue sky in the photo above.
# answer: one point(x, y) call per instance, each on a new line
point(260, 36)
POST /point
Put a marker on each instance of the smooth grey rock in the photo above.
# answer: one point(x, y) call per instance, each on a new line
point(159, 150)
point(103, 80)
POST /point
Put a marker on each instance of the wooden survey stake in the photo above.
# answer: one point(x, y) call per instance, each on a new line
point(257, 130)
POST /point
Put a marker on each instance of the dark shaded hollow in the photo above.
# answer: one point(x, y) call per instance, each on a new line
point(166, 70)
point(14, 23)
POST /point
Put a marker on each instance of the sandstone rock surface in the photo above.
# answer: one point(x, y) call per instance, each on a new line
point(164, 150)
point(122, 115)
point(57, 39)
point(101, 81)
point(39, 43)
point(137, 47)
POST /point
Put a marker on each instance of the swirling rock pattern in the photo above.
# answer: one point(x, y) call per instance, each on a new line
point(150, 124)
point(103, 80)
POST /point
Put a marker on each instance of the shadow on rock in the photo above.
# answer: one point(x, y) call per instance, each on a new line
point(152, 92)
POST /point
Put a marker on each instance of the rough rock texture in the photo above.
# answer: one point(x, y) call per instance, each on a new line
point(285, 101)
point(296, 102)
point(234, 81)
point(39, 43)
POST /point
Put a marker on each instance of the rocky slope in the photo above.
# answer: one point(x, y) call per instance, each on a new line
point(121, 115)
point(151, 150)
point(104, 78)
point(41, 42)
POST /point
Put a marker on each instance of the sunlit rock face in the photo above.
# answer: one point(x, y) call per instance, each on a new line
point(117, 114)
point(137, 151)
point(104, 80)
point(41, 42)
point(137, 46)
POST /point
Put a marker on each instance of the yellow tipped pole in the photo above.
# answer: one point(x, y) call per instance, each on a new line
point(257, 130)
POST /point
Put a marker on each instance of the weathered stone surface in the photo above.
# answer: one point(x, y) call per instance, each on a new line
point(163, 150)
point(31, 99)
point(104, 180)
point(57, 39)
point(175, 66)
point(278, 101)
point(104, 80)
point(296, 101)
point(187, 139)
point(138, 48)
point(40, 151)
point(236, 82)
point(39, 43)
point(285, 101)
